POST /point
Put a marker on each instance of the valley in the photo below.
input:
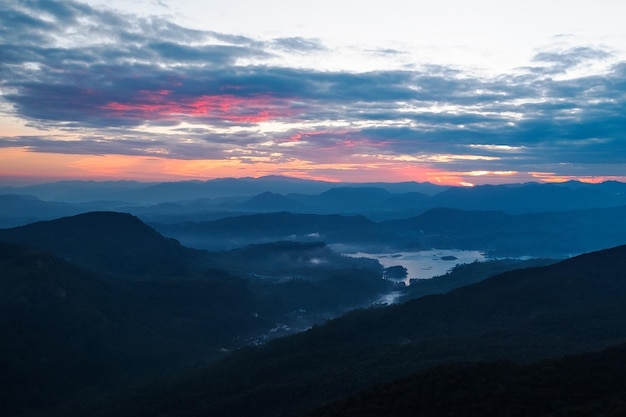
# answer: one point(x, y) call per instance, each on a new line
point(111, 313)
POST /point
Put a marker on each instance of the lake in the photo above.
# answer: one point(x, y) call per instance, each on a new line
point(425, 264)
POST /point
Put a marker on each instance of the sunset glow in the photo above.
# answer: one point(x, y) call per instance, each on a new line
point(151, 93)
point(158, 106)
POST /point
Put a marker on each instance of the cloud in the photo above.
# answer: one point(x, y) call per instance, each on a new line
point(297, 44)
point(121, 84)
point(561, 61)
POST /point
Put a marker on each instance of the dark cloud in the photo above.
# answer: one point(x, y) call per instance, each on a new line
point(115, 73)
point(561, 61)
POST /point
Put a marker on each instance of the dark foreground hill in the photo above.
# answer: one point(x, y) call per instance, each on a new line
point(109, 242)
point(575, 306)
point(149, 306)
point(70, 333)
point(584, 385)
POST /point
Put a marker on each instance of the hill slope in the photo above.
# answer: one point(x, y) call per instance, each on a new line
point(150, 305)
point(239, 231)
point(540, 234)
point(109, 242)
point(68, 333)
point(574, 306)
point(584, 385)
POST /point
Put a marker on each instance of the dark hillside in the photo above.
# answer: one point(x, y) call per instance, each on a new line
point(573, 306)
point(66, 331)
point(585, 385)
point(555, 234)
point(239, 231)
point(73, 334)
point(109, 242)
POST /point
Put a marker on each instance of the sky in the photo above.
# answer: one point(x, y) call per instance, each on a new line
point(450, 92)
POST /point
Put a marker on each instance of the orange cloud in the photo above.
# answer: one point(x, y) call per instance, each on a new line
point(595, 179)
point(21, 163)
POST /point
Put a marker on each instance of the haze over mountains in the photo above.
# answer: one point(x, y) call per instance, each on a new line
point(220, 197)
point(516, 219)
point(235, 297)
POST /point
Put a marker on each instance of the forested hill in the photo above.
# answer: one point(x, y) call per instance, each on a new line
point(583, 385)
point(574, 306)
point(109, 242)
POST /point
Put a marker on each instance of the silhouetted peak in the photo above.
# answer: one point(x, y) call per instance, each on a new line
point(111, 242)
point(99, 223)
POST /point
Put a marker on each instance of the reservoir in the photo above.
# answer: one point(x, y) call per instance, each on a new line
point(425, 264)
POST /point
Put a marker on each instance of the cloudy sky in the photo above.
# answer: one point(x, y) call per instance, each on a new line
point(447, 91)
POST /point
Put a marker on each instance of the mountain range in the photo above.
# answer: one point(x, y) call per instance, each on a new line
point(99, 301)
point(206, 200)
point(547, 234)
point(235, 297)
point(583, 385)
point(572, 307)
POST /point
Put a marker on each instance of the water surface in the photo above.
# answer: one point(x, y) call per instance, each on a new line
point(425, 264)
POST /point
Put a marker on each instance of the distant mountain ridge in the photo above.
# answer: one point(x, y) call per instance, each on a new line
point(549, 234)
point(237, 231)
point(200, 200)
point(151, 193)
point(541, 234)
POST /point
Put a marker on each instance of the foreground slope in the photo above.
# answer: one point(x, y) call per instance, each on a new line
point(100, 301)
point(69, 333)
point(583, 385)
point(574, 306)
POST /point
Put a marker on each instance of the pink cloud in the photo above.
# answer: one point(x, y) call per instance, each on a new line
point(162, 105)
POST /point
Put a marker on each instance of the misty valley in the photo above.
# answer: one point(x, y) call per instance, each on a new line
point(276, 296)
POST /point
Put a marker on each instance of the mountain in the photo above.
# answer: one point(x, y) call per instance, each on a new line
point(282, 276)
point(69, 333)
point(74, 334)
point(173, 202)
point(109, 242)
point(547, 234)
point(243, 230)
point(273, 202)
point(288, 260)
point(552, 234)
point(512, 198)
point(78, 191)
point(575, 306)
point(582, 385)
point(354, 199)
point(23, 209)
point(18, 209)
point(153, 193)
point(532, 197)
